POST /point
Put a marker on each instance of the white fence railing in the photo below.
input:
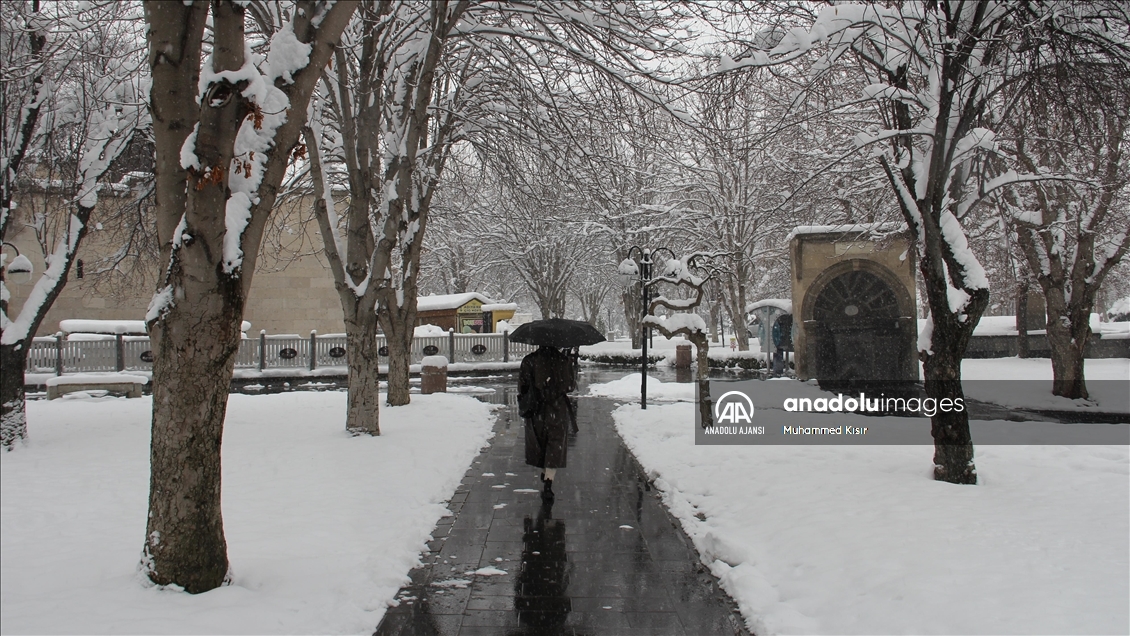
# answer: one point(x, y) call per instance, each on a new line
point(82, 353)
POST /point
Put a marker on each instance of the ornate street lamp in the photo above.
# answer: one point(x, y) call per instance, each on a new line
point(20, 270)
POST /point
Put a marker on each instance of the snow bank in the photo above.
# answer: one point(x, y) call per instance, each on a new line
point(861, 540)
point(628, 388)
point(1040, 369)
point(322, 528)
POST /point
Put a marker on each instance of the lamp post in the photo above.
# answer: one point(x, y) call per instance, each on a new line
point(628, 270)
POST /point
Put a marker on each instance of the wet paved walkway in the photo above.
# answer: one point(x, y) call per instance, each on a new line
point(604, 558)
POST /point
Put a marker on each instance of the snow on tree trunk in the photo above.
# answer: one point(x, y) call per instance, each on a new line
point(632, 308)
point(224, 132)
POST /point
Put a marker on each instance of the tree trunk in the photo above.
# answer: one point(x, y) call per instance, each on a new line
point(1067, 370)
point(195, 355)
point(714, 321)
point(1068, 342)
point(13, 408)
point(363, 415)
point(734, 301)
point(741, 330)
point(632, 310)
point(1022, 320)
point(953, 445)
point(398, 337)
point(705, 402)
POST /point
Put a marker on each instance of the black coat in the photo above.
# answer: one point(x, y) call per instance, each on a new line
point(549, 372)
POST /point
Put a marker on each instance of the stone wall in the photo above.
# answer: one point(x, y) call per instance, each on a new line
point(293, 290)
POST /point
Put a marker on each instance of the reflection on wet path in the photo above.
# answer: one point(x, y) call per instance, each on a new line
point(605, 558)
point(541, 588)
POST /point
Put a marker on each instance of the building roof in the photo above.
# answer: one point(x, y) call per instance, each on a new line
point(783, 304)
point(448, 301)
point(888, 227)
point(501, 307)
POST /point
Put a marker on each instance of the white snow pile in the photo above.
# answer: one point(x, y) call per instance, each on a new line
point(434, 361)
point(428, 331)
point(322, 528)
point(1120, 308)
point(628, 388)
point(862, 540)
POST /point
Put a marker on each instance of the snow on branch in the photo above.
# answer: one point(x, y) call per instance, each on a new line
point(48, 286)
point(677, 271)
point(286, 55)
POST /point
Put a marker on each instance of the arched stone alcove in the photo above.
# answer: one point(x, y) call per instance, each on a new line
point(856, 319)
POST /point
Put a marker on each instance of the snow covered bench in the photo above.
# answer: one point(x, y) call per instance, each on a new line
point(125, 383)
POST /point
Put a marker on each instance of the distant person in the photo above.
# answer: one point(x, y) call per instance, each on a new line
point(544, 382)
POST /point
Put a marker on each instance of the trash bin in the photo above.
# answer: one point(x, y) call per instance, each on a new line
point(683, 356)
point(433, 375)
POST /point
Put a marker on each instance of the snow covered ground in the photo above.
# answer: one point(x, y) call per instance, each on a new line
point(1029, 384)
point(861, 540)
point(322, 528)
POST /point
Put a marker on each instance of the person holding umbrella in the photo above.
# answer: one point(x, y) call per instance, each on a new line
point(545, 380)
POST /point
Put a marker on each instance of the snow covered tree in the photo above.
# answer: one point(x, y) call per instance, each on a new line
point(225, 126)
point(421, 78)
point(935, 71)
point(680, 272)
point(1072, 232)
point(392, 99)
point(72, 92)
point(537, 236)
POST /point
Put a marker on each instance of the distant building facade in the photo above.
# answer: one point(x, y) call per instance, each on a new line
point(469, 312)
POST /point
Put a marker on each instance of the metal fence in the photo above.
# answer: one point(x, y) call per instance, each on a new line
point(81, 353)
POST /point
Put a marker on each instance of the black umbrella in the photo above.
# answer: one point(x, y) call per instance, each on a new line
point(557, 332)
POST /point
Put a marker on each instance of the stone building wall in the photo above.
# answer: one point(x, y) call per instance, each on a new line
point(290, 294)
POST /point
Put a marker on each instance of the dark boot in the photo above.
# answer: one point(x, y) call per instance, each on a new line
point(547, 492)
